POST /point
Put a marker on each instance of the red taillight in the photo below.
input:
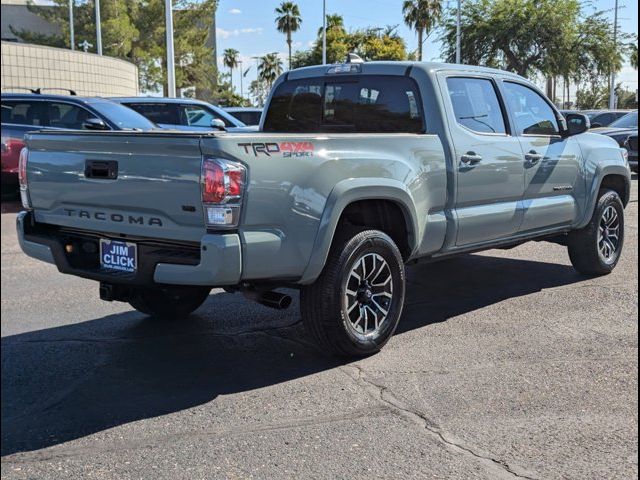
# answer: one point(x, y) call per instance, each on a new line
point(222, 189)
point(213, 189)
point(22, 166)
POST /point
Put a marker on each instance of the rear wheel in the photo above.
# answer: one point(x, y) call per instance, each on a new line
point(596, 249)
point(168, 302)
point(354, 307)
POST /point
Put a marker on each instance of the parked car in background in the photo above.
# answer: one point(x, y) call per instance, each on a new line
point(24, 112)
point(621, 129)
point(632, 147)
point(604, 118)
point(599, 118)
point(183, 113)
point(247, 115)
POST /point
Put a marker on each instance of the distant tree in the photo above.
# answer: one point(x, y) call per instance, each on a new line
point(230, 59)
point(259, 90)
point(422, 16)
point(633, 55)
point(334, 21)
point(552, 37)
point(269, 68)
point(288, 21)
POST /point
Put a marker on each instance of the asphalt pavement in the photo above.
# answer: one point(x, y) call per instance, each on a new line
point(506, 364)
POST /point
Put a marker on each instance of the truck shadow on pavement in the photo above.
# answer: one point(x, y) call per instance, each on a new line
point(67, 382)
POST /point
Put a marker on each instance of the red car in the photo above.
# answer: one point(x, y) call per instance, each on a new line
point(10, 153)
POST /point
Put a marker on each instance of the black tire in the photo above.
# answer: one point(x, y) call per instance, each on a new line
point(585, 244)
point(172, 302)
point(324, 311)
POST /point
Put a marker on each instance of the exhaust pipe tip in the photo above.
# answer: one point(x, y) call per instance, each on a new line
point(271, 299)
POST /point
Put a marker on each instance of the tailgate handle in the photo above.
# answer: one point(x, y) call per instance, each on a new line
point(101, 169)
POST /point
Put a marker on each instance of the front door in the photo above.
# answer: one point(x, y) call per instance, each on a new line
point(489, 166)
point(552, 163)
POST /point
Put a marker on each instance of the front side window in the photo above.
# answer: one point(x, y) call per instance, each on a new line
point(197, 116)
point(532, 114)
point(476, 105)
point(365, 104)
point(23, 113)
point(65, 115)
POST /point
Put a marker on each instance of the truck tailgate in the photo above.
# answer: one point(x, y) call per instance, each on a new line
point(139, 184)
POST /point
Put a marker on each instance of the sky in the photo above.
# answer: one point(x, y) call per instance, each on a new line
point(249, 27)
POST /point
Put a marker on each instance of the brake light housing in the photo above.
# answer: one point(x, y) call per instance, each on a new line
point(222, 183)
point(22, 178)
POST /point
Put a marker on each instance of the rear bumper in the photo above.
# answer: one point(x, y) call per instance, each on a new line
point(216, 261)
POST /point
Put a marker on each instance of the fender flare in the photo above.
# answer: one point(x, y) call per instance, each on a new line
point(343, 194)
point(600, 173)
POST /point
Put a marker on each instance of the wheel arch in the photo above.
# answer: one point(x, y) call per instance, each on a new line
point(614, 177)
point(353, 196)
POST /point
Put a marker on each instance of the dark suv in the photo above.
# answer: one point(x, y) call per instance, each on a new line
point(22, 113)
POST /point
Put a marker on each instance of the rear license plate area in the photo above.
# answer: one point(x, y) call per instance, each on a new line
point(116, 255)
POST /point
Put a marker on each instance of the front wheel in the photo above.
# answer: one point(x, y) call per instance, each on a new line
point(171, 302)
point(354, 307)
point(596, 249)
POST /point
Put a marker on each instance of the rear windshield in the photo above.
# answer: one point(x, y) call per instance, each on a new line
point(364, 104)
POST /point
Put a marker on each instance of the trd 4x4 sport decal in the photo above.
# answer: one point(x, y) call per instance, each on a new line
point(287, 149)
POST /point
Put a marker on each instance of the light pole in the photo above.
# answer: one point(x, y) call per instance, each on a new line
point(324, 32)
point(98, 29)
point(458, 33)
point(71, 34)
point(241, 89)
point(171, 68)
point(612, 87)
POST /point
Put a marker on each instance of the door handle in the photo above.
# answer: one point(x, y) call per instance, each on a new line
point(533, 157)
point(471, 158)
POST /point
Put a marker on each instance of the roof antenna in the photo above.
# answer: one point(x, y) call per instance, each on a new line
point(353, 58)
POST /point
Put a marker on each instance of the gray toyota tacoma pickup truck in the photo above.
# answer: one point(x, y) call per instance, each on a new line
point(357, 170)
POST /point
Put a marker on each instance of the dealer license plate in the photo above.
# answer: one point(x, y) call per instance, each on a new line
point(118, 255)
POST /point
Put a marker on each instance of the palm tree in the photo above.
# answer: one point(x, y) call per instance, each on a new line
point(230, 59)
point(334, 21)
point(269, 68)
point(633, 55)
point(288, 21)
point(422, 16)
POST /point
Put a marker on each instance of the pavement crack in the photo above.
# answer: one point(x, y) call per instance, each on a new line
point(498, 468)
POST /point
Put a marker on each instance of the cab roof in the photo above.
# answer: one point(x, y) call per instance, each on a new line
point(394, 68)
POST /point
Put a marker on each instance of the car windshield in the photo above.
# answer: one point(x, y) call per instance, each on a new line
point(630, 120)
point(123, 117)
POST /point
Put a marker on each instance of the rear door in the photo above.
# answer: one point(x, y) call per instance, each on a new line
point(551, 162)
point(488, 161)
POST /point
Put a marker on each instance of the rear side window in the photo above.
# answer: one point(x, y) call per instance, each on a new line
point(476, 105)
point(365, 104)
point(24, 113)
point(531, 113)
point(157, 112)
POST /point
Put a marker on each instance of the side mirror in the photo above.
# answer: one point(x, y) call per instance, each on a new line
point(218, 124)
point(577, 123)
point(596, 125)
point(94, 124)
